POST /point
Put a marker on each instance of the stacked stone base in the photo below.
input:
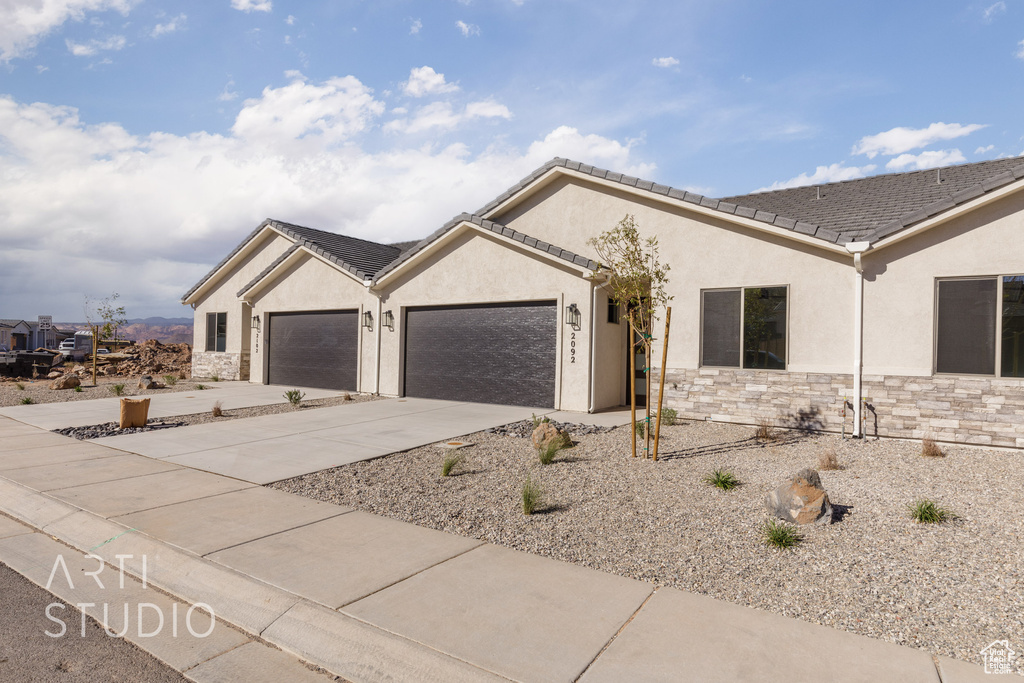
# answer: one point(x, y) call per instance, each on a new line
point(983, 411)
point(226, 366)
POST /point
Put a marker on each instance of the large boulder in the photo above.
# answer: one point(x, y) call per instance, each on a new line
point(66, 382)
point(147, 382)
point(546, 432)
point(801, 500)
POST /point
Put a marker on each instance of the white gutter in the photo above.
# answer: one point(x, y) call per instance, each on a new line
point(593, 345)
point(858, 248)
point(378, 323)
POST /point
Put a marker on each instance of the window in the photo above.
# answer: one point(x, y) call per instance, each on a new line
point(613, 311)
point(972, 329)
point(216, 331)
point(744, 327)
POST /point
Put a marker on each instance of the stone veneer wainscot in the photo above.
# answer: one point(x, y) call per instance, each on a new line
point(228, 366)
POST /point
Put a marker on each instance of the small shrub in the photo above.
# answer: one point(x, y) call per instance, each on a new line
point(294, 396)
point(766, 431)
point(669, 416)
point(640, 428)
point(451, 459)
point(346, 396)
point(549, 449)
point(827, 460)
point(532, 495)
point(21, 387)
point(722, 479)
point(200, 387)
point(78, 390)
point(217, 410)
point(170, 380)
point(27, 401)
point(930, 449)
point(117, 389)
point(538, 421)
point(778, 534)
point(926, 511)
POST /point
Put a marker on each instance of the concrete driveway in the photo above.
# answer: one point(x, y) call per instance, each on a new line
point(270, 448)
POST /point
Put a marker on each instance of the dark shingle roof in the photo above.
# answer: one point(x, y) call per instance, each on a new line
point(404, 246)
point(877, 206)
point(866, 209)
point(10, 322)
point(497, 228)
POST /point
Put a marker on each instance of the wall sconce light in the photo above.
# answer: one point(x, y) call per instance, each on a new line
point(387, 319)
point(256, 323)
point(572, 316)
point(368, 320)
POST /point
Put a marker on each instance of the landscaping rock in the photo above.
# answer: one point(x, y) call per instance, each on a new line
point(66, 382)
point(802, 500)
point(546, 432)
point(524, 429)
point(147, 382)
point(54, 375)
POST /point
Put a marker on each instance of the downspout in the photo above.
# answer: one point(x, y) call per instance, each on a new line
point(377, 339)
point(593, 346)
point(858, 248)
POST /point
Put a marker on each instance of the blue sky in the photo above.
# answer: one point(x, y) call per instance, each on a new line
point(141, 140)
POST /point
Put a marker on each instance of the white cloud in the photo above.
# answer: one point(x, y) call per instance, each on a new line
point(931, 159)
point(992, 10)
point(665, 62)
point(415, 26)
point(95, 46)
point(487, 109)
point(899, 140)
point(150, 214)
point(983, 150)
point(227, 95)
point(290, 20)
point(467, 29)
point(1019, 54)
point(24, 24)
point(822, 174)
point(425, 81)
point(252, 5)
point(169, 27)
point(442, 115)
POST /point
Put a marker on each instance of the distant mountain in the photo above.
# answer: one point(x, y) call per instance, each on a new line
point(161, 322)
point(164, 330)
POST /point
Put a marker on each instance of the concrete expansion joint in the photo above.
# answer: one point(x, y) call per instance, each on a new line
point(618, 632)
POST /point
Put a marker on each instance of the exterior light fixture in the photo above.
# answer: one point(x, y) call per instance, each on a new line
point(572, 316)
point(368, 320)
point(387, 319)
point(256, 323)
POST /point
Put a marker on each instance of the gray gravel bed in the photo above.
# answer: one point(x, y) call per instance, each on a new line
point(950, 589)
point(40, 392)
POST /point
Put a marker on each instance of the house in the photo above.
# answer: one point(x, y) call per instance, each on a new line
point(901, 295)
point(21, 335)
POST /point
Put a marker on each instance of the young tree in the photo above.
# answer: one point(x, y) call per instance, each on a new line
point(638, 284)
point(105, 315)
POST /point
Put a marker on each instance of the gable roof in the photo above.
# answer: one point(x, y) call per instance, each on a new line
point(496, 228)
point(866, 209)
point(11, 322)
point(871, 208)
point(362, 258)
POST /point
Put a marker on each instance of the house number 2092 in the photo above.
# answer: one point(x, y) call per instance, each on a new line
point(572, 348)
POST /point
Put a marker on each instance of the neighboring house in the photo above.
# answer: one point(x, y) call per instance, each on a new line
point(17, 335)
point(905, 290)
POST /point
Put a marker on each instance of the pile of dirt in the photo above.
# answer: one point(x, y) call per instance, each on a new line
point(154, 358)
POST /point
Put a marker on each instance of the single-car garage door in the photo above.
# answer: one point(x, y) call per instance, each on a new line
point(492, 353)
point(317, 350)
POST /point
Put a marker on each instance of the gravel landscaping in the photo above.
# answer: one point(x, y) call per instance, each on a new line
point(40, 392)
point(950, 588)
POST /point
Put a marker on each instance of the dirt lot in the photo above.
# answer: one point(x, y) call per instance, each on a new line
point(950, 588)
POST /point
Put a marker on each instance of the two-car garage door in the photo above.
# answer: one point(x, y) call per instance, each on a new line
point(491, 353)
point(314, 349)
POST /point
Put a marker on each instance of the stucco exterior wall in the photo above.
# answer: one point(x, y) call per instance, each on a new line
point(222, 298)
point(312, 285)
point(479, 268)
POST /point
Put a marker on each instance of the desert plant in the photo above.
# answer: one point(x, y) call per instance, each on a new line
point(930, 449)
point(170, 380)
point(78, 389)
point(669, 416)
point(117, 389)
point(532, 495)
point(346, 396)
point(21, 387)
point(451, 459)
point(28, 400)
point(549, 449)
point(640, 428)
point(766, 431)
point(777, 534)
point(215, 378)
point(827, 460)
point(722, 479)
point(926, 511)
point(294, 396)
point(538, 421)
point(200, 387)
point(217, 410)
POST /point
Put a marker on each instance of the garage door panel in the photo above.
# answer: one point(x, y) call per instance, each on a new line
point(487, 354)
point(314, 349)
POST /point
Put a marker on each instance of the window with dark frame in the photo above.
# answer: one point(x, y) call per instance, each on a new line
point(613, 311)
point(974, 317)
point(216, 331)
point(744, 328)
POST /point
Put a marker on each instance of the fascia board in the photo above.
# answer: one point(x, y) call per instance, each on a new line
point(248, 296)
point(241, 254)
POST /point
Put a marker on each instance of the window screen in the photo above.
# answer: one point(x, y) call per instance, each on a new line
point(720, 331)
point(966, 327)
point(216, 331)
point(1013, 326)
point(764, 328)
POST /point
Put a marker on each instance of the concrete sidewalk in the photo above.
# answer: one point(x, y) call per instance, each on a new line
point(370, 598)
point(97, 411)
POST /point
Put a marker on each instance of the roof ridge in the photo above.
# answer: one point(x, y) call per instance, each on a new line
point(274, 221)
